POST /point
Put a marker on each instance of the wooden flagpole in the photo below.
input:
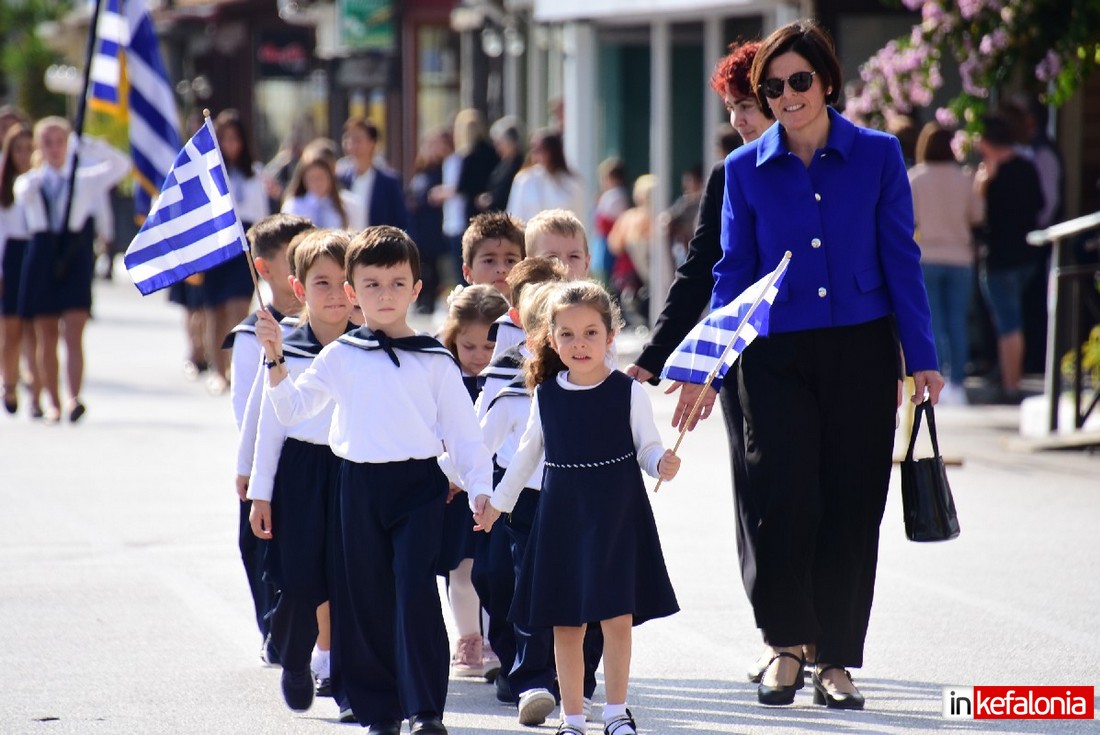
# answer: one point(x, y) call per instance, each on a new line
point(722, 358)
point(247, 254)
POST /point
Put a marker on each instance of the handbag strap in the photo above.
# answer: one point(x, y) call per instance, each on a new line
point(924, 406)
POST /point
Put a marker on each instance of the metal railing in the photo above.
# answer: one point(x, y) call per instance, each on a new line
point(1064, 323)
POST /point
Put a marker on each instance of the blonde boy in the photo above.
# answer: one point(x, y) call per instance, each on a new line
point(557, 233)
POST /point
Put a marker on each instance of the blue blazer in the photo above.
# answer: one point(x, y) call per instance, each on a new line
point(387, 201)
point(847, 220)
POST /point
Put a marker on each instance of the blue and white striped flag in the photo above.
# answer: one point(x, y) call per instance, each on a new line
point(703, 350)
point(192, 226)
point(129, 81)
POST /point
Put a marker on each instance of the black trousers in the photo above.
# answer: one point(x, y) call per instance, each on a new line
point(739, 471)
point(819, 429)
point(298, 554)
point(253, 550)
point(389, 641)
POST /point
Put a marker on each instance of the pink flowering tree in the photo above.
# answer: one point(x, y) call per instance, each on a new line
point(1054, 42)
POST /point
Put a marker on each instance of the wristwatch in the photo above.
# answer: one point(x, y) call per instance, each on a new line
point(272, 363)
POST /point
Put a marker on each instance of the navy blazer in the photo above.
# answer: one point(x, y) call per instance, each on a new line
point(387, 201)
point(847, 220)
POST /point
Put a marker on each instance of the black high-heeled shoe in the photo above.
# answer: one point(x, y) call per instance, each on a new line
point(837, 700)
point(11, 399)
point(780, 695)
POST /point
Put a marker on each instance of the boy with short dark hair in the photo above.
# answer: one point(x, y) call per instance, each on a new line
point(399, 397)
point(269, 240)
point(491, 246)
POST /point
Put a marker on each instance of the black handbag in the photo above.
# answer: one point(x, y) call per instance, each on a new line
point(928, 506)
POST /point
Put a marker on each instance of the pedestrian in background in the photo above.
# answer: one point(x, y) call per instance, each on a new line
point(547, 182)
point(227, 288)
point(631, 242)
point(1013, 196)
point(426, 215)
point(507, 135)
point(18, 333)
point(479, 158)
point(613, 201)
point(946, 207)
point(56, 286)
point(315, 193)
point(820, 392)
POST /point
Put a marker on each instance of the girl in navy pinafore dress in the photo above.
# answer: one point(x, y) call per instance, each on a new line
point(593, 555)
point(465, 333)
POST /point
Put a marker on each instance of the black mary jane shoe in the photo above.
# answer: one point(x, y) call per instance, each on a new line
point(384, 728)
point(426, 723)
point(11, 399)
point(780, 695)
point(835, 700)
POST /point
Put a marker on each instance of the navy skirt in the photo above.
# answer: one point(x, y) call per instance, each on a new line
point(227, 281)
point(56, 281)
point(458, 535)
point(11, 272)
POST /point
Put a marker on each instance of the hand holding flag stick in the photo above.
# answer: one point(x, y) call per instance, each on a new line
point(708, 342)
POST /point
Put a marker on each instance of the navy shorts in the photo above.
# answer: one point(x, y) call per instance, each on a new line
point(1004, 292)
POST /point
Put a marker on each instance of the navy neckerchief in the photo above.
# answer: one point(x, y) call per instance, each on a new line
point(504, 320)
point(507, 366)
point(302, 342)
point(366, 339)
point(248, 324)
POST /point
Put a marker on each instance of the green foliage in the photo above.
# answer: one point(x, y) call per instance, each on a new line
point(24, 58)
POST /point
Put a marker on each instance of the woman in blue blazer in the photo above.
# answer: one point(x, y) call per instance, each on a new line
point(820, 392)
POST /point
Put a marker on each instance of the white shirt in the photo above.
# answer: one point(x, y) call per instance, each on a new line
point(504, 424)
point(535, 190)
point(362, 189)
point(322, 212)
point(386, 413)
point(454, 208)
point(271, 434)
point(246, 389)
point(647, 443)
point(92, 179)
point(249, 196)
point(13, 226)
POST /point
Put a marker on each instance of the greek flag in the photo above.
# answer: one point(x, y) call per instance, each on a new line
point(128, 81)
point(713, 345)
point(192, 226)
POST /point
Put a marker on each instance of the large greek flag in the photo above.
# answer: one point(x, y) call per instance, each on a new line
point(715, 343)
point(192, 226)
point(129, 81)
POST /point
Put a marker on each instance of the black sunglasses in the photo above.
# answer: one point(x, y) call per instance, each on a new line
point(799, 81)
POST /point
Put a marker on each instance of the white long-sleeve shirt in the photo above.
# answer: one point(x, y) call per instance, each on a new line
point(101, 168)
point(535, 190)
point(13, 226)
point(249, 195)
point(504, 424)
point(647, 444)
point(247, 396)
point(386, 413)
point(272, 433)
point(322, 212)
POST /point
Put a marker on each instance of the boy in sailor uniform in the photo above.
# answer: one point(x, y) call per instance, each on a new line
point(294, 479)
point(398, 399)
point(270, 242)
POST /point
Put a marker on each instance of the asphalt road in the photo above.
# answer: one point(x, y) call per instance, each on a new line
point(123, 607)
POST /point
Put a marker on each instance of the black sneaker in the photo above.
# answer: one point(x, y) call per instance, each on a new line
point(298, 689)
point(324, 687)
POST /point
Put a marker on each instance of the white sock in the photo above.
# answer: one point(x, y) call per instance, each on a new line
point(611, 711)
point(576, 721)
point(320, 663)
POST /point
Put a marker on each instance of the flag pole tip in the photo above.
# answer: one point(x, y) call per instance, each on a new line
point(787, 254)
point(206, 112)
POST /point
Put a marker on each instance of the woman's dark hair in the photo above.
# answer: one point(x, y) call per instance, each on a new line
point(225, 120)
point(8, 174)
point(998, 131)
point(810, 41)
point(550, 143)
point(934, 144)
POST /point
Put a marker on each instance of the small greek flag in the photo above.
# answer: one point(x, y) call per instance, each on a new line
point(713, 345)
point(192, 226)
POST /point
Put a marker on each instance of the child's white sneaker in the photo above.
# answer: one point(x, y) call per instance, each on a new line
point(535, 705)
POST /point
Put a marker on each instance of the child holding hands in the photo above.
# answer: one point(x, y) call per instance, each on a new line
point(398, 398)
point(593, 553)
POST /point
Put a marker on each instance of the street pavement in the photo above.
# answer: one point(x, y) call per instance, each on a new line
point(123, 607)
